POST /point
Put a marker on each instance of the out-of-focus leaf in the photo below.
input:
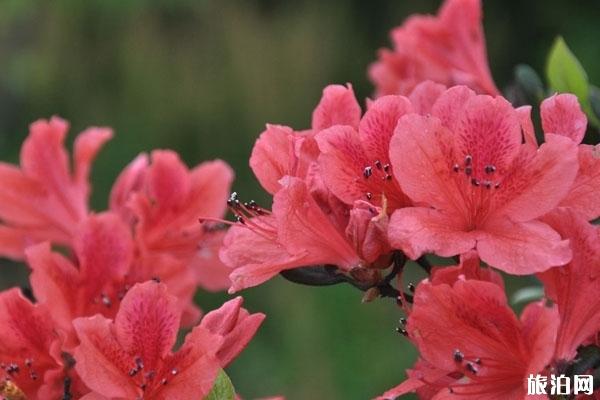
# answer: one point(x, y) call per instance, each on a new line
point(529, 82)
point(566, 75)
point(222, 389)
point(527, 294)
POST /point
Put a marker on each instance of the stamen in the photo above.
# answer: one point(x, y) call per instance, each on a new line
point(369, 195)
point(367, 172)
point(490, 169)
point(378, 164)
point(468, 159)
point(456, 168)
point(458, 356)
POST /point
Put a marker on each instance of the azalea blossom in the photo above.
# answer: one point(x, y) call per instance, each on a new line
point(575, 286)
point(130, 357)
point(308, 224)
point(472, 345)
point(476, 185)
point(46, 198)
point(561, 114)
point(163, 200)
point(100, 274)
point(448, 48)
point(299, 233)
point(30, 357)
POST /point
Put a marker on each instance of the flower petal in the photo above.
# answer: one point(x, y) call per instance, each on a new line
point(168, 182)
point(235, 325)
point(86, 147)
point(417, 230)
point(583, 195)
point(522, 248)
point(524, 114)
point(102, 362)
point(562, 115)
point(338, 106)
point(130, 180)
point(424, 96)
point(147, 322)
point(538, 181)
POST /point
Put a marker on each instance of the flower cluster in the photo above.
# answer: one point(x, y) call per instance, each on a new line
point(439, 163)
point(110, 291)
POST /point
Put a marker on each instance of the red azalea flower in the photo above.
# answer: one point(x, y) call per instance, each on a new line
point(101, 272)
point(468, 268)
point(355, 162)
point(562, 115)
point(575, 286)
point(30, 359)
point(472, 345)
point(94, 282)
point(164, 200)
point(280, 151)
point(448, 49)
point(477, 186)
point(46, 198)
point(131, 357)
point(299, 233)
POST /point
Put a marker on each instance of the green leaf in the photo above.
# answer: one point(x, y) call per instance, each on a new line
point(529, 81)
point(566, 75)
point(222, 389)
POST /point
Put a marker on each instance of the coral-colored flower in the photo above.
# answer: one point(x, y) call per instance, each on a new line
point(164, 200)
point(448, 49)
point(477, 186)
point(94, 282)
point(575, 286)
point(562, 115)
point(281, 151)
point(103, 269)
point(299, 233)
point(468, 268)
point(30, 361)
point(46, 198)
point(131, 357)
point(472, 344)
point(355, 163)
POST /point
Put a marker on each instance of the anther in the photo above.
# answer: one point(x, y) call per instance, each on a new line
point(497, 185)
point(468, 171)
point(174, 371)
point(369, 195)
point(490, 169)
point(12, 368)
point(139, 363)
point(455, 168)
point(487, 184)
point(386, 167)
point(156, 279)
point(240, 219)
point(28, 362)
point(133, 371)
point(474, 182)
point(402, 321)
point(478, 361)
point(458, 356)
point(367, 172)
point(471, 368)
point(33, 375)
point(411, 287)
point(233, 199)
point(378, 164)
point(468, 160)
point(163, 381)
point(402, 331)
point(387, 177)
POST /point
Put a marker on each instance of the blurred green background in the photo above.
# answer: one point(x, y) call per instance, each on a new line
point(203, 77)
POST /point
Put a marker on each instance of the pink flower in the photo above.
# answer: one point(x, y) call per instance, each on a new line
point(477, 186)
point(299, 233)
point(472, 345)
point(131, 357)
point(93, 283)
point(46, 199)
point(448, 49)
point(281, 151)
point(562, 115)
point(469, 268)
point(355, 162)
point(30, 357)
point(164, 200)
point(575, 286)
